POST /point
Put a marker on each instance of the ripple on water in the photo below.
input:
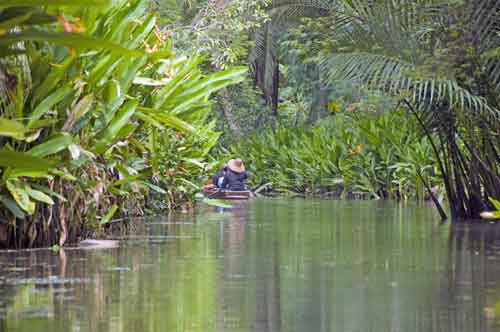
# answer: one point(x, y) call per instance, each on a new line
point(53, 280)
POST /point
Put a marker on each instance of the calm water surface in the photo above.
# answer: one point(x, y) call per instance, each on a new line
point(269, 265)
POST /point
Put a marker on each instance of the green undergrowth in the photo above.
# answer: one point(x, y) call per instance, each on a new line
point(100, 120)
point(352, 153)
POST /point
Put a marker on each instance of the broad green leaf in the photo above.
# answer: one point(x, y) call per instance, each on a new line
point(149, 120)
point(169, 89)
point(143, 31)
point(495, 203)
point(217, 202)
point(200, 90)
point(490, 215)
point(127, 179)
point(64, 174)
point(33, 136)
point(107, 218)
point(21, 196)
point(154, 187)
point(120, 120)
point(12, 173)
point(112, 92)
point(195, 162)
point(186, 181)
point(126, 131)
point(80, 109)
point(150, 82)
point(73, 40)
point(15, 16)
point(176, 123)
point(138, 145)
point(12, 128)
point(43, 123)
point(231, 76)
point(55, 75)
point(169, 120)
point(49, 192)
point(47, 104)
point(23, 160)
point(12, 206)
point(15, 21)
point(75, 151)
point(54, 145)
point(39, 196)
point(102, 70)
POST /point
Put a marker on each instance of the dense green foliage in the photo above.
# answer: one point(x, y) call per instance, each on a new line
point(351, 152)
point(440, 58)
point(105, 106)
point(87, 135)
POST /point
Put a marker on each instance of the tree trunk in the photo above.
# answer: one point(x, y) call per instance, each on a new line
point(227, 109)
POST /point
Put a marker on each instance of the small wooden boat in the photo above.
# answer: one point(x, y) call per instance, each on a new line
point(228, 194)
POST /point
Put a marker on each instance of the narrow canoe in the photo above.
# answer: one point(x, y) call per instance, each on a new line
point(228, 194)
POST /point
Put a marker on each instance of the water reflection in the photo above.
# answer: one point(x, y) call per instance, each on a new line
point(267, 266)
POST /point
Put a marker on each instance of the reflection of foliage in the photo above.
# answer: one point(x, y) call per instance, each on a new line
point(244, 271)
point(28, 301)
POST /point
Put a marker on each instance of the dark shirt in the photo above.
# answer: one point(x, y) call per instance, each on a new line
point(215, 179)
point(235, 181)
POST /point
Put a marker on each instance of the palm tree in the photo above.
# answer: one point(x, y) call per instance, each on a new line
point(264, 57)
point(440, 58)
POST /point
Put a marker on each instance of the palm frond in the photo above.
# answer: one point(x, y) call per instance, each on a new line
point(396, 76)
point(285, 9)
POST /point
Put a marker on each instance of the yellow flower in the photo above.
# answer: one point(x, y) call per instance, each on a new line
point(334, 107)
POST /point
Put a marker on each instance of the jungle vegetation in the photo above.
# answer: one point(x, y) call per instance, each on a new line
point(111, 109)
point(100, 119)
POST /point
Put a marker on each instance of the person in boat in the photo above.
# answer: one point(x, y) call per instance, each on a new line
point(218, 179)
point(215, 183)
point(235, 176)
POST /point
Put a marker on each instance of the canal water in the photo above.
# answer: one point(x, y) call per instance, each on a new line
point(266, 265)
